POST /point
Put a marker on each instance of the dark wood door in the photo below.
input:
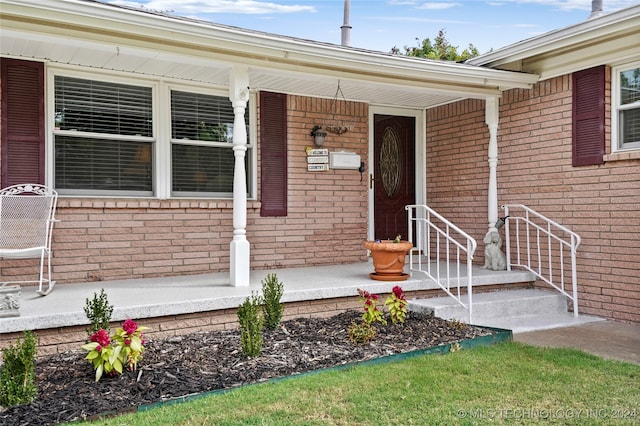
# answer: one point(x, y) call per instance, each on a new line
point(393, 174)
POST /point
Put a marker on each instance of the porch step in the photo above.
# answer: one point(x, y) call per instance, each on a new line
point(516, 310)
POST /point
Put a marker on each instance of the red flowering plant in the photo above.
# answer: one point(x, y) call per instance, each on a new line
point(364, 332)
point(109, 354)
point(104, 356)
point(371, 312)
point(397, 305)
point(129, 337)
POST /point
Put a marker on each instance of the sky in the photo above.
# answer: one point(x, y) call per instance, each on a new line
point(383, 24)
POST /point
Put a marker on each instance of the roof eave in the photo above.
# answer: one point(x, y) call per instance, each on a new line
point(579, 34)
point(266, 47)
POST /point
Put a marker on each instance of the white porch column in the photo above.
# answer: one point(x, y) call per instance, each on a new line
point(492, 118)
point(239, 248)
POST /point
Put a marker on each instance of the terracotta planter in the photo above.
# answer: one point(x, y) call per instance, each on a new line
point(388, 259)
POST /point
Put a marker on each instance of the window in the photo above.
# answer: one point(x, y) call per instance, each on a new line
point(103, 137)
point(108, 141)
point(202, 157)
point(626, 115)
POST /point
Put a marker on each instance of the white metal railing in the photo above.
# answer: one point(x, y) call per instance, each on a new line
point(441, 251)
point(542, 247)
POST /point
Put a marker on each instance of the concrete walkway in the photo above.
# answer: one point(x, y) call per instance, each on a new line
point(608, 339)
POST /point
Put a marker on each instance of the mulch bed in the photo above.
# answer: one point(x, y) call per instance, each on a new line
point(202, 362)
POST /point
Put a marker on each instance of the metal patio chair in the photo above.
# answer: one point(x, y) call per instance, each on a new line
point(27, 215)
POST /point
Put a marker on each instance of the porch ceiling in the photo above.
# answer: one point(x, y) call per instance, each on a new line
point(114, 39)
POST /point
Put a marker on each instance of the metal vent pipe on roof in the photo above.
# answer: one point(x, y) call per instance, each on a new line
point(596, 9)
point(346, 28)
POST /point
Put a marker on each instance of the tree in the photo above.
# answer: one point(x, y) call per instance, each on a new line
point(441, 49)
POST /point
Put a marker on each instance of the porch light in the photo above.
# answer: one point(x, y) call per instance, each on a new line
point(318, 135)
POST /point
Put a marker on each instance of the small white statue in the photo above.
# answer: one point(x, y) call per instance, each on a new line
point(494, 259)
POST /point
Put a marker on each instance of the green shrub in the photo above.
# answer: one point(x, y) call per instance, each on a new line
point(98, 312)
point(272, 290)
point(17, 373)
point(361, 332)
point(457, 324)
point(251, 322)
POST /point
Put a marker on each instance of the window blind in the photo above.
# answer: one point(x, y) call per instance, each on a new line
point(198, 168)
point(103, 107)
point(87, 159)
point(202, 158)
point(98, 164)
point(201, 117)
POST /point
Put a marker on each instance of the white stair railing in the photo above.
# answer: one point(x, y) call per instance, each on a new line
point(441, 251)
point(542, 247)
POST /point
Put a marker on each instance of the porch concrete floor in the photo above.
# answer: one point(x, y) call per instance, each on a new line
point(146, 298)
point(156, 297)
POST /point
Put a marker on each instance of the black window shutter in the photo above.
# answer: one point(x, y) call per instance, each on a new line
point(22, 122)
point(273, 154)
point(588, 117)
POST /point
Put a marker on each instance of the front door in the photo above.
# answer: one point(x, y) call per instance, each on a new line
point(393, 174)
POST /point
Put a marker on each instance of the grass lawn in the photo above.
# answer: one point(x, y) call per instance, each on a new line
point(509, 383)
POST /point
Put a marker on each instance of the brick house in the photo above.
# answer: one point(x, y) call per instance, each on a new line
point(150, 127)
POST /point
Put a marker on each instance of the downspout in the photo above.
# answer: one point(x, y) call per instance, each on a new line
point(346, 28)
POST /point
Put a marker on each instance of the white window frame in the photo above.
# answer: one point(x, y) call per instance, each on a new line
point(161, 115)
point(251, 138)
point(52, 132)
point(616, 143)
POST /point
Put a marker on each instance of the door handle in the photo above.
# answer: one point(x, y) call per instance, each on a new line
point(370, 180)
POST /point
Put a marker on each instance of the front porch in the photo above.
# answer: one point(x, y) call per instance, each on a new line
point(183, 304)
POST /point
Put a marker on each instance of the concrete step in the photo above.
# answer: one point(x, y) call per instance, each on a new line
point(516, 310)
point(524, 324)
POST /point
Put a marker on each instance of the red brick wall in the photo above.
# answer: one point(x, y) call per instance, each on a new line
point(106, 239)
point(117, 239)
point(457, 168)
point(600, 203)
point(327, 215)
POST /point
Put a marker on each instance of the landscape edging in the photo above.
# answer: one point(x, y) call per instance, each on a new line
point(498, 335)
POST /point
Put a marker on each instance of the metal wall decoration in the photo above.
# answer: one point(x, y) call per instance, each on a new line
point(390, 165)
